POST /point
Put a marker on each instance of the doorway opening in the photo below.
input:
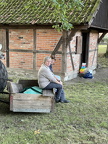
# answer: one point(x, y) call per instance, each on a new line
point(85, 47)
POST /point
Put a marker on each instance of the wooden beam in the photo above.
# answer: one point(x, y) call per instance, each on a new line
point(30, 26)
point(60, 42)
point(69, 38)
point(34, 48)
point(21, 50)
point(33, 51)
point(64, 52)
point(78, 44)
point(57, 46)
point(72, 63)
point(7, 47)
point(72, 33)
point(100, 38)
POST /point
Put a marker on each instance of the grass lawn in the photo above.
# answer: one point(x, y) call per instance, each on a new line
point(82, 121)
point(102, 60)
point(102, 49)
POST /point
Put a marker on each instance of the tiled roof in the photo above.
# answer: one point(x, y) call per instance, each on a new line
point(16, 12)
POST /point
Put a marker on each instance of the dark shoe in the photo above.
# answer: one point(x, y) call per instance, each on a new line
point(65, 101)
point(57, 101)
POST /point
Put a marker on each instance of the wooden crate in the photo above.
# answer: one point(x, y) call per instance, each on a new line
point(20, 102)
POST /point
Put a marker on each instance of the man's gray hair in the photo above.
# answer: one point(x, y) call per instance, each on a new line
point(46, 58)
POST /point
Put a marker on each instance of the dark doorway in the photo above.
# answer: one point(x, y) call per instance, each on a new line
point(85, 47)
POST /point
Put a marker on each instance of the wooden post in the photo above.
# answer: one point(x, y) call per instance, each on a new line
point(106, 54)
point(72, 63)
point(57, 46)
point(7, 47)
point(100, 38)
point(34, 49)
point(64, 52)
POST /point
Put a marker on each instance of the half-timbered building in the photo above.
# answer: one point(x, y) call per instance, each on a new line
point(27, 36)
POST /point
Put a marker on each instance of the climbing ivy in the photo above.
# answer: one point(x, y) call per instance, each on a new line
point(61, 9)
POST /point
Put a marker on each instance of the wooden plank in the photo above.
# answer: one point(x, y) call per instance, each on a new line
point(100, 38)
point(57, 46)
point(11, 102)
point(78, 44)
point(17, 26)
point(72, 63)
point(60, 42)
point(34, 48)
point(31, 103)
point(21, 50)
point(23, 96)
point(7, 48)
point(95, 50)
point(3, 39)
point(33, 51)
point(67, 37)
point(28, 83)
point(73, 32)
point(48, 93)
point(21, 102)
point(64, 52)
point(14, 87)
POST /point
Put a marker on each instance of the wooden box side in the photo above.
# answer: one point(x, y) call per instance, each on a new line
point(20, 102)
point(28, 83)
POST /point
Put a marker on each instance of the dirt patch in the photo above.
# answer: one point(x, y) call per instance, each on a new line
point(21, 74)
point(100, 75)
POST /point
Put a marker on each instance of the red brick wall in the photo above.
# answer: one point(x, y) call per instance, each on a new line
point(21, 39)
point(75, 57)
point(46, 39)
point(21, 60)
point(92, 59)
point(93, 46)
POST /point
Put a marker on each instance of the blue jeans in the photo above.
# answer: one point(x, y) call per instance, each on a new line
point(59, 94)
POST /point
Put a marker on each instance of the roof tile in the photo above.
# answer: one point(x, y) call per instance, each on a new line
point(18, 12)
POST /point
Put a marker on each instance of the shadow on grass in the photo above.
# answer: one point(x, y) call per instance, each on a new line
point(5, 109)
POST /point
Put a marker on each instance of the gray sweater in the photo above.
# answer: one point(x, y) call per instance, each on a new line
point(45, 76)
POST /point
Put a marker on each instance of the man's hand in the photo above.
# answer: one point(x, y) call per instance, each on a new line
point(61, 82)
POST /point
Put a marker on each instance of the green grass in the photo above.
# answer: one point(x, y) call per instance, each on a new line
point(82, 121)
point(102, 49)
point(102, 60)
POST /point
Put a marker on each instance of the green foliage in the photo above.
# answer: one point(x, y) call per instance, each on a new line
point(3, 3)
point(60, 10)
